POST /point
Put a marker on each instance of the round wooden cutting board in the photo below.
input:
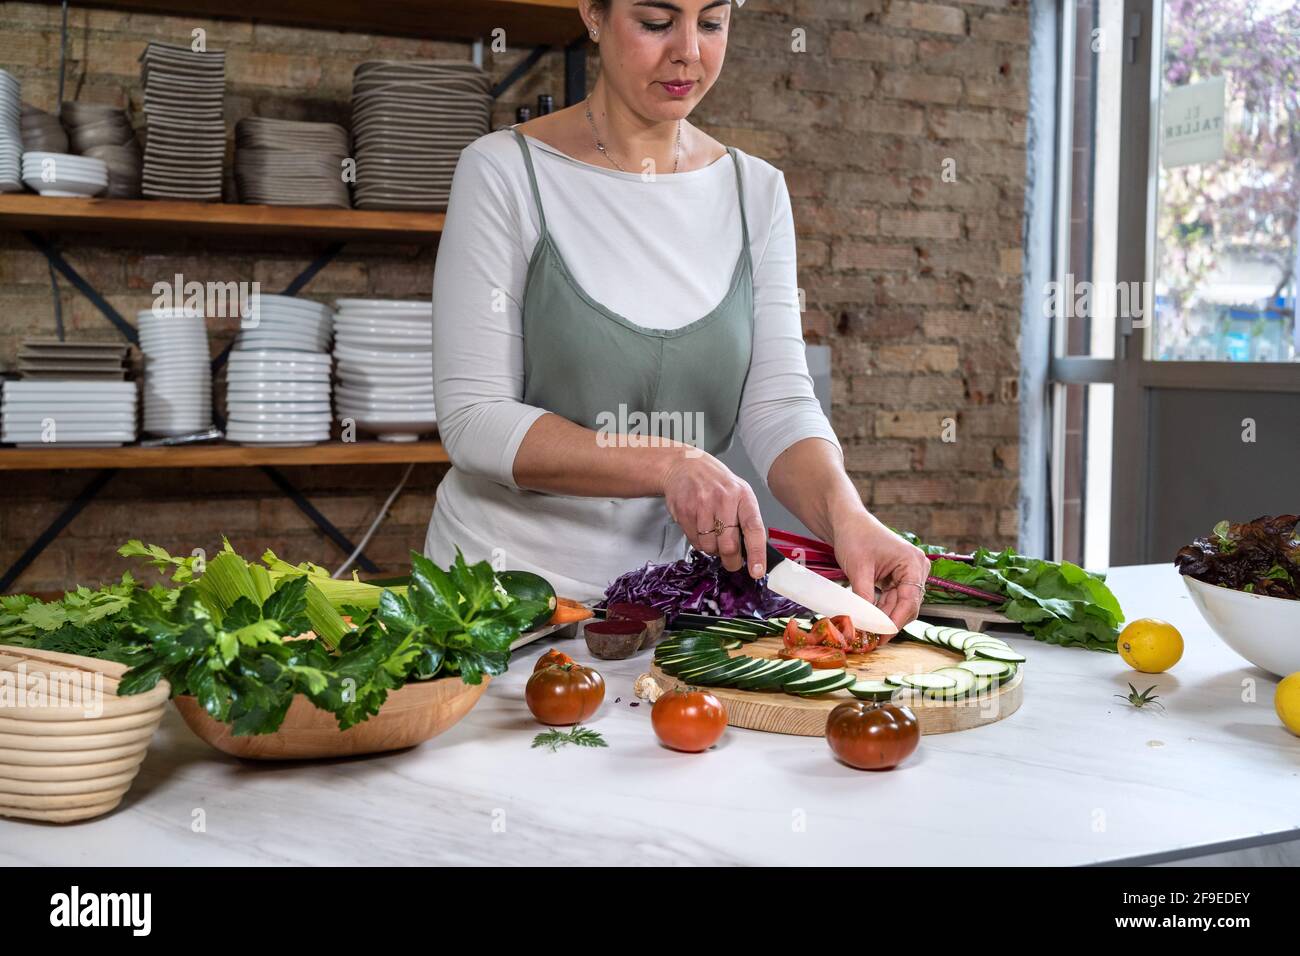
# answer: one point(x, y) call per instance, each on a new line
point(782, 713)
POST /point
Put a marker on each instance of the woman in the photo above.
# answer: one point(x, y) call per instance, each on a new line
point(611, 259)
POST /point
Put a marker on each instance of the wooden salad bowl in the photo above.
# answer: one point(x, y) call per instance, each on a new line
point(412, 714)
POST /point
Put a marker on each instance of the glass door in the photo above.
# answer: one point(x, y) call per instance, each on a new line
point(1176, 362)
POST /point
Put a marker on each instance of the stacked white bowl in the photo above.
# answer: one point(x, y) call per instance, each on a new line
point(72, 413)
point(11, 134)
point(278, 383)
point(385, 364)
point(62, 174)
point(285, 321)
point(278, 397)
point(177, 372)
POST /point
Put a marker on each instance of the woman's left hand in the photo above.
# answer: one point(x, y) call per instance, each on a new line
point(873, 556)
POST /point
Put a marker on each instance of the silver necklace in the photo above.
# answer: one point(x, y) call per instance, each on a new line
point(677, 152)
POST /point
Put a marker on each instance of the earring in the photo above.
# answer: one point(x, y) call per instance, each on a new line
point(594, 35)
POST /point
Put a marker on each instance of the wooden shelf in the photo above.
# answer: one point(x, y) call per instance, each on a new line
point(526, 22)
point(222, 455)
point(51, 213)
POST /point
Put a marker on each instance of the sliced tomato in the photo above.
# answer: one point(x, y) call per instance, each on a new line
point(826, 633)
point(822, 658)
point(795, 636)
point(844, 624)
point(863, 643)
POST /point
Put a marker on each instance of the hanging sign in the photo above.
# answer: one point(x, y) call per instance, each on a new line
point(1191, 121)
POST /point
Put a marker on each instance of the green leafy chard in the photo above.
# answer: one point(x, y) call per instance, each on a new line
point(1054, 601)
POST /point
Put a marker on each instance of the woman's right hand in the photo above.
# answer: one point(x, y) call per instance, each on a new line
point(700, 490)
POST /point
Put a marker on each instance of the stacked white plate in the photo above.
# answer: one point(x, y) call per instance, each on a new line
point(410, 121)
point(78, 414)
point(185, 144)
point(384, 351)
point(62, 174)
point(11, 134)
point(278, 397)
point(177, 372)
point(291, 163)
point(286, 322)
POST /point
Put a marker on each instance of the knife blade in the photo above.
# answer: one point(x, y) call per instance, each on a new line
point(792, 580)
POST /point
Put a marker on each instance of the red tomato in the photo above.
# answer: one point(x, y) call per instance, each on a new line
point(872, 736)
point(844, 624)
point(826, 633)
point(822, 658)
point(563, 694)
point(688, 720)
point(863, 643)
point(795, 636)
point(552, 657)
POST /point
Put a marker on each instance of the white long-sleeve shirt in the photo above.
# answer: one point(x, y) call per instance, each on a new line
point(658, 253)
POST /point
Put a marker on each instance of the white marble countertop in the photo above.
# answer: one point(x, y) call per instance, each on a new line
point(1075, 776)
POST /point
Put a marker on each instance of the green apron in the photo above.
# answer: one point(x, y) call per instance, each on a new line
point(596, 368)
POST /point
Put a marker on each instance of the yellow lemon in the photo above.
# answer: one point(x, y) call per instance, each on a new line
point(1287, 702)
point(1150, 646)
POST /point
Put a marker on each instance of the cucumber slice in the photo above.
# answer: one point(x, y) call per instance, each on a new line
point(929, 681)
point(775, 679)
point(711, 672)
point(756, 675)
point(677, 668)
point(690, 661)
point(872, 690)
point(690, 640)
point(898, 680)
point(983, 684)
point(814, 681)
point(732, 677)
point(916, 630)
point(1006, 655)
point(996, 670)
point(965, 680)
point(845, 681)
point(704, 654)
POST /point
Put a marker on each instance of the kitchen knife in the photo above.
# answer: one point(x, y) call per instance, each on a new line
point(792, 580)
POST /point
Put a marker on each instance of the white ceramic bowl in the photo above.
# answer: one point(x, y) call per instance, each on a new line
point(1264, 630)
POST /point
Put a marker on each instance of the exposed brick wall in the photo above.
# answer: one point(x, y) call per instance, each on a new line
point(913, 281)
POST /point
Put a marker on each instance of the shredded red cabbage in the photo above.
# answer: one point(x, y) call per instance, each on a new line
point(699, 584)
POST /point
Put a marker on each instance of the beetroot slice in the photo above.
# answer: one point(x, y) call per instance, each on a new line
point(615, 627)
point(615, 640)
point(652, 619)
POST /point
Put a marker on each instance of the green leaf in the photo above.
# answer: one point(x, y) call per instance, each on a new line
point(241, 614)
point(288, 603)
point(396, 615)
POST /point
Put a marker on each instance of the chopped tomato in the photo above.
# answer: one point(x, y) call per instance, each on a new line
point(863, 643)
point(824, 632)
point(844, 624)
point(822, 658)
point(795, 636)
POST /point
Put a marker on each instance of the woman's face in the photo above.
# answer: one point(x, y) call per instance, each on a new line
point(662, 56)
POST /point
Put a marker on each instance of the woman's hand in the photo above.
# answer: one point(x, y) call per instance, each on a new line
point(872, 555)
point(699, 491)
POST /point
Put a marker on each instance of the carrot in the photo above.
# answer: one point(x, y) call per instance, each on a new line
point(567, 611)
